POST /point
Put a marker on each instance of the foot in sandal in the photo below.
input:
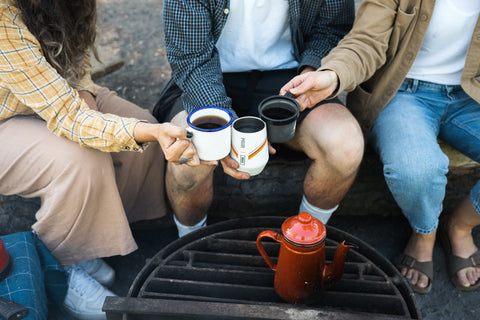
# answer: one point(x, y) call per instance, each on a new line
point(415, 264)
point(463, 257)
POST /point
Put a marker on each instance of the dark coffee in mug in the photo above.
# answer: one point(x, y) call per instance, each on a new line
point(249, 125)
point(278, 112)
point(209, 122)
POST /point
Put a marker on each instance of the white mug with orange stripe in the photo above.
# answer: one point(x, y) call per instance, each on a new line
point(250, 144)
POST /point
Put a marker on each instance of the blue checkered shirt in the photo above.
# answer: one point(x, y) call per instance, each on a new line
point(192, 27)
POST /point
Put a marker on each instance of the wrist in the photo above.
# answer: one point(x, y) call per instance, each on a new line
point(333, 81)
point(145, 131)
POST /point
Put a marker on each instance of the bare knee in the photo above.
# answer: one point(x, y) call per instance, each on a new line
point(334, 138)
point(187, 179)
point(190, 191)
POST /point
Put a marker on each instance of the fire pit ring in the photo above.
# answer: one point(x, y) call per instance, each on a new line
point(217, 273)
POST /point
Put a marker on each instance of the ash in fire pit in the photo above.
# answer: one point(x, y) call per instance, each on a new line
point(217, 273)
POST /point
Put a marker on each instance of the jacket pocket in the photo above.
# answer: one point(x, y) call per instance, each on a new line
point(357, 103)
point(403, 23)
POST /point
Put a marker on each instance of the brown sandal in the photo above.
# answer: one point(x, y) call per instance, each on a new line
point(409, 262)
point(456, 263)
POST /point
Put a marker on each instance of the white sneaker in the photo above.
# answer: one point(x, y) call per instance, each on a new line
point(99, 270)
point(85, 296)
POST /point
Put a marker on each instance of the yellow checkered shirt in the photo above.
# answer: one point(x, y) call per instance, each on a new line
point(29, 85)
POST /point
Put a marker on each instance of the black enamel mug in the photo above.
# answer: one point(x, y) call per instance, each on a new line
point(280, 113)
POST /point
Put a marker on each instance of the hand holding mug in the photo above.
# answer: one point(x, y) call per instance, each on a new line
point(311, 88)
point(173, 140)
point(250, 144)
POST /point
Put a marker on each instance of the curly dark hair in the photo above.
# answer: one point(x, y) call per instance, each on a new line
point(66, 30)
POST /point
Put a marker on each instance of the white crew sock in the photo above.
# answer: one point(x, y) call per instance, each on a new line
point(321, 214)
point(183, 229)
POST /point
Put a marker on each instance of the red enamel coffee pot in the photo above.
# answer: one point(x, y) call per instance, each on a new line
point(301, 270)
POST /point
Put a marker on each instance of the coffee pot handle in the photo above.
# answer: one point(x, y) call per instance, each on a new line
point(267, 234)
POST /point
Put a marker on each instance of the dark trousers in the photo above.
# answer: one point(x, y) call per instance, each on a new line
point(246, 89)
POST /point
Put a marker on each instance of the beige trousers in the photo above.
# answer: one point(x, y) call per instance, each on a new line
point(88, 197)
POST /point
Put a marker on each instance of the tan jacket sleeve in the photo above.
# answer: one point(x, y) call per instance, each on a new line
point(364, 49)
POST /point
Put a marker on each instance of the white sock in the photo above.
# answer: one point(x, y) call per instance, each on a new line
point(183, 229)
point(321, 214)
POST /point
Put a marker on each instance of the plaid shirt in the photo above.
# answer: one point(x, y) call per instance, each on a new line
point(192, 27)
point(29, 85)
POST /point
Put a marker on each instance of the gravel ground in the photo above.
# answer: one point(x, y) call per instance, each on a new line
point(132, 31)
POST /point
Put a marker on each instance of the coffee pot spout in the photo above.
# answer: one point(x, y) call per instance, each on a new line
point(334, 271)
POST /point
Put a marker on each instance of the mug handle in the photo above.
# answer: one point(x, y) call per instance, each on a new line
point(288, 94)
point(267, 234)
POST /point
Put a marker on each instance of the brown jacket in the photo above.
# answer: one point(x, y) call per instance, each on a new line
point(375, 57)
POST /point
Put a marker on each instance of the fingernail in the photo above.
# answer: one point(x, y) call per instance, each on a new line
point(183, 160)
point(189, 134)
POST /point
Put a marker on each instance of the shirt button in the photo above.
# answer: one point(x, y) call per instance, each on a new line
point(226, 11)
point(423, 17)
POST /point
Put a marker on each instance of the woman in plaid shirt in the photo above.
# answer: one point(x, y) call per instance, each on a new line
point(61, 135)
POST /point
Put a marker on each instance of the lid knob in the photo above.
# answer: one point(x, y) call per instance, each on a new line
point(304, 229)
point(304, 217)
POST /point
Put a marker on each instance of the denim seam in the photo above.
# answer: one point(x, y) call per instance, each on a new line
point(427, 231)
point(414, 85)
point(471, 132)
point(467, 129)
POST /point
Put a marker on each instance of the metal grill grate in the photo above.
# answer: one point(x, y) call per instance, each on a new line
point(217, 273)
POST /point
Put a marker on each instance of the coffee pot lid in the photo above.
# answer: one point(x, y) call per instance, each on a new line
point(303, 229)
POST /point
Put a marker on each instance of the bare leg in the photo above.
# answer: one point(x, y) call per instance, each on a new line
point(460, 226)
point(189, 189)
point(332, 138)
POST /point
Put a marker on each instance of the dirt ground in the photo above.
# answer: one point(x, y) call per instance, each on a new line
point(133, 31)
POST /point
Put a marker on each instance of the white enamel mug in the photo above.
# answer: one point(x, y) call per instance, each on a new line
point(211, 128)
point(250, 144)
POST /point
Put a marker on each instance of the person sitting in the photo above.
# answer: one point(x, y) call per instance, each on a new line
point(413, 66)
point(233, 54)
point(64, 140)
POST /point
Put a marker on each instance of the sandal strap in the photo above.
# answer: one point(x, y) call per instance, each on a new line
point(456, 263)
point(410, 262)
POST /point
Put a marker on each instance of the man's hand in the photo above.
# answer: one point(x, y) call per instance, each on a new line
point(230, 167)
point(311, 87)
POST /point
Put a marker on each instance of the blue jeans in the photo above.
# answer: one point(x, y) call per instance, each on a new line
point(405, 136)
